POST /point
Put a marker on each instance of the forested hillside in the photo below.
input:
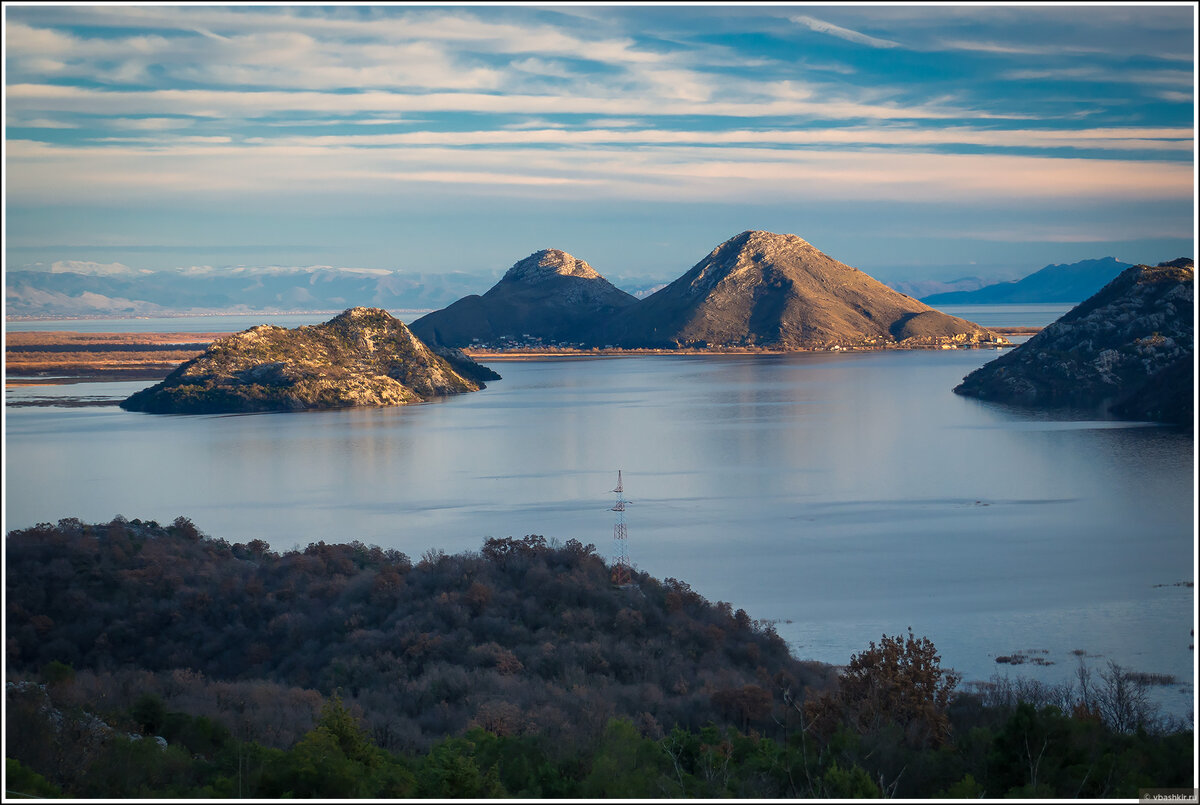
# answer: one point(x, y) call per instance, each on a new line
point(153, 661)
point(522, 636)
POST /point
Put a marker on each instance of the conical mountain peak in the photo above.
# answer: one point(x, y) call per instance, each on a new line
point(548, 298)
point(754, 251)
point(759, 238)
point(765, 289)
point(761, 242)
point(549, 263)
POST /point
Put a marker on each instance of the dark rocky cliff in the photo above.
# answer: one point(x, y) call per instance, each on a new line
point(1126, 351)
point(362, 357)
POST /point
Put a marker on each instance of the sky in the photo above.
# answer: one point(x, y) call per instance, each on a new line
point(914, 142)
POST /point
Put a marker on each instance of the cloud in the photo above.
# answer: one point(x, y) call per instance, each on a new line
point(1120, 139)
point(774, 100)
point(677, 173)
point(340, 121)
point(150, 123)
point(582, 106)
point(40, 123)
point(857, 38)
point(1184, 78)
point(284, 48)
point(543, 67)
point(1172, 96)
point(1016, 48)
point(89, 267)
point(40, 51)
point(1161, 33)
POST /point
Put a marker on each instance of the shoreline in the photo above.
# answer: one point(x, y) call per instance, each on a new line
point(531, 353)
point(192, 315)
point(62, 357)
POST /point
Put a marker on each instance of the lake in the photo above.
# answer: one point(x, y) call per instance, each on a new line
point(841, 495)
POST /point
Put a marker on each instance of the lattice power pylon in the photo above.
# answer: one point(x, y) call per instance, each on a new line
point(621, 575)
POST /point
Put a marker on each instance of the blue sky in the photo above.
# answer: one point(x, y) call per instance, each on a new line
point(910, 141)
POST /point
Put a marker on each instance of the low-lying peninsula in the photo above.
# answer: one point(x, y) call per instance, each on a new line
point(362, 357)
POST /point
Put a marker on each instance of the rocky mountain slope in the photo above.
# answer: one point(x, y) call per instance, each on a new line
point(778, 291)
point(1067, 283)
point(362, 357)
point(549, 296)
point(1128, 351)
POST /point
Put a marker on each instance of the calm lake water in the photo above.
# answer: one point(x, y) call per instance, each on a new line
point(844, 496)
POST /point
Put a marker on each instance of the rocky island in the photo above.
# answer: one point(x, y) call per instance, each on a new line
point(762, 289)
point(549, 297)
point(1126, 351)
point(362, 357)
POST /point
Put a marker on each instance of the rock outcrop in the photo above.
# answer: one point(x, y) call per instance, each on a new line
point(761, 289)
point(362, 357)
point(549, 297)
point(1126, 351)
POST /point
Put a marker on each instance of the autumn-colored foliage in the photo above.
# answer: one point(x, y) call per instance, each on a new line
point(899, 681)
point(155, 662)
point(525, 625)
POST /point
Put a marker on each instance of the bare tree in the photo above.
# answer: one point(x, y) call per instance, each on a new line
point(1123, 700)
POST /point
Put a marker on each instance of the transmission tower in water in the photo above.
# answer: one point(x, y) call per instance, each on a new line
point(620, 572)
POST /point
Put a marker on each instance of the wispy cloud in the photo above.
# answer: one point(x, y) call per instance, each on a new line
point(1125, 139)
point(1172, 96)
point(40, 123)
point(856, 37)
point(674, 173)
point(685, 100)
point(150, 123)
point(1183, 78)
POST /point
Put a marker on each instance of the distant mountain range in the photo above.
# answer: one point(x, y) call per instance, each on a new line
point(72, 288)
point(75, 288)
point(919, 289)
point(757, 290)
point(1067, 283)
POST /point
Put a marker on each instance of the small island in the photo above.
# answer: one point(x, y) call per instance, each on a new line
point(362, 357)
